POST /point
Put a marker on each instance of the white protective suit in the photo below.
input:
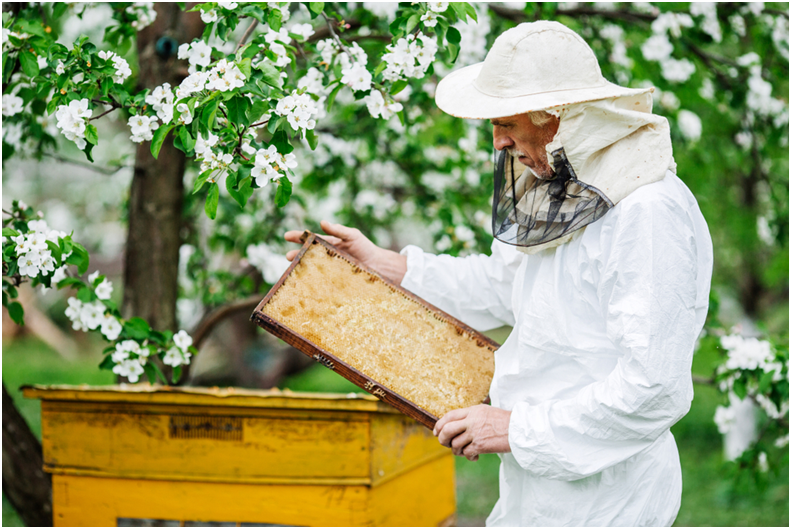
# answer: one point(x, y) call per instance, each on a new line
point(597, 368)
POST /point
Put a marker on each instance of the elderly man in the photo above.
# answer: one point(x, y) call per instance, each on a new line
point(601, 263)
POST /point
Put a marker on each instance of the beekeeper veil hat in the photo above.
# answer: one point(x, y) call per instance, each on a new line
point(607, 145)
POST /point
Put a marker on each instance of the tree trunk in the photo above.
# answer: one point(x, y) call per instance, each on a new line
point(155, 202)
point(25, 484)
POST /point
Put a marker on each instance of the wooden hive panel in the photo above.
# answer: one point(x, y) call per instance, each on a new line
point(376, 334)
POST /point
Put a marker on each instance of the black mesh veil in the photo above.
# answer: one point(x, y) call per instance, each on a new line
point(528, 210)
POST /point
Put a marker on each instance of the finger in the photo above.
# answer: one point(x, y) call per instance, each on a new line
point(339, 230)
point(472, 458)
point(290, 255)
point(469, 451)
point(293, 236)
point(450, 431)
point(460, 442)
point(332, 240)
point(453, 415)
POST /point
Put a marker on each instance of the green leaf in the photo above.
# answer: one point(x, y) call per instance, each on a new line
point(200, 181)
point(29, 63)
point(283, 193)
point(137, 328)
point(313, 140)
point(412, 23)
point(209, 113)
point(766, 381)
point(88, 150)
point(245, 68)
point(187, 141)
point(70, 281)
point(56, 253)
point(212, 199)
point(257, 110)
point(10, 232)
point(315, 8)
point(460, 9)
point(176, 374)
point(398, 86)
point(454, 52)
point(271, 75)
point(331, 97)
point(107, 363)
point(281, 141)
point(244, 191)
point(16, 312)
point(237, 110)
point(740, 388)
point(275, 19)
point(454, 37)
point(159, 139)
point(86, 295)
point(471, 11)
point(91, 135)
point(79, 256)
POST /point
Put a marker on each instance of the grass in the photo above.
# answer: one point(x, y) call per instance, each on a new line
point(708, 498)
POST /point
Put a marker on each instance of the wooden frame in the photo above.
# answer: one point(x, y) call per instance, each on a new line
point(331, 361)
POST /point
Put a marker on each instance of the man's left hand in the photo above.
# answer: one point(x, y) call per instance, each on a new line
point(475, 430)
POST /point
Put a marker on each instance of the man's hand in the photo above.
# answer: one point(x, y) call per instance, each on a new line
point(388, 263)
point(475, 430)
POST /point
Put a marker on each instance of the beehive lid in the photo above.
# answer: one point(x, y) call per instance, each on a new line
point(376, 334)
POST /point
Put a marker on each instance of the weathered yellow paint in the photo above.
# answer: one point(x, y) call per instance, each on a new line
point(295, 459)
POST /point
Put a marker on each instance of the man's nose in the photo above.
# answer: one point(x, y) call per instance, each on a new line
point(501, 140)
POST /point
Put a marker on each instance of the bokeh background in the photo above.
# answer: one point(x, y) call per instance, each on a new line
point(722, 84)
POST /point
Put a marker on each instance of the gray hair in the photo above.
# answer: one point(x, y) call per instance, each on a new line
point(539, 118)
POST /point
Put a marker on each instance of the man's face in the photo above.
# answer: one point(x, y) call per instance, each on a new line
point(525, 141)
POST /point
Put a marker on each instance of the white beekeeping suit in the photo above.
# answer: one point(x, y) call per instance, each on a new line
point(605, 312)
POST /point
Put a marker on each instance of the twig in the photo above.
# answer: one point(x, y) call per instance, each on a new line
point(102, 114)
point(208, 322)
point(260, 123)
point(335, 35)
point(103, 170)
point(697, 379)
point(246, 35)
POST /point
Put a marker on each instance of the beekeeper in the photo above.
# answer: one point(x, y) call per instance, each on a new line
point(601, 263)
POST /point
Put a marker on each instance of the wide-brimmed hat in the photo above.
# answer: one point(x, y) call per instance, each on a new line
point(534, 66)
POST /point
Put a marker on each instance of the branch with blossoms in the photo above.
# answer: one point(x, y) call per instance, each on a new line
point(32, 252)
point(237, 115)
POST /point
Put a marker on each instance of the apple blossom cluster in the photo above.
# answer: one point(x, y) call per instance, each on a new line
point(197, 53)
point(271, 264)
point(378, 107)
point(690, 125)
point(409, 57)
point(33, 255)
point(179, 354)
point(269, 164)
point(430, 17)
point(73, 120)
point(659, 48)
point(142, 128)
point(144, 13)
point(298, 110)
point(161, 100)
point(122, 70)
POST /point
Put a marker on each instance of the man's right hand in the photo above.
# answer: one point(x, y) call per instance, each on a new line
point(388, 263)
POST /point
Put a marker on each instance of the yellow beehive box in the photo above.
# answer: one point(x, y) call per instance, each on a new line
point(232, 455)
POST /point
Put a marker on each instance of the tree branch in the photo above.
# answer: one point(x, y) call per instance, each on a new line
point(335, 35)
point(517, 15)
point(208, 322)
point(697, 379)
point(102, 114)
point(246, 35)
point(93, 167)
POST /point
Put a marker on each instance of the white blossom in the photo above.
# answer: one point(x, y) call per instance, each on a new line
point(281, 53)
point(677, 70)
point(72, 120)
point(225, 76)
point(282, 36)
point(305, 31)
point(271, 264)
point(438, 7)
point(182, 340)
point(129, 368)
point(429, 19)
point(671, 22)
point(122, 70)
point(725, 419)
point(746, 353)
point(194, 82)
point(29, 264)
point(144, 11)
point(161, 100)
point(111, 328)
point(12, 104)
point(197, 54)
point(104, 290)
point(690, 125)
point(378, 107)
point(657, 48)
point(208, 16)
point(710, 25)
point(175, 357)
